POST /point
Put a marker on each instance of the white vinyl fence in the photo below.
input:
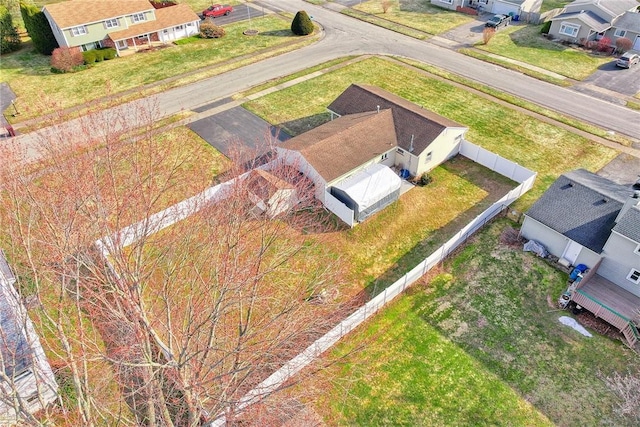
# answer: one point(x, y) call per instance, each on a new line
point(184, 209)
point(523, 176)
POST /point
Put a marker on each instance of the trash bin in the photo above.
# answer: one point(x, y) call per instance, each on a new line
point(516, 18)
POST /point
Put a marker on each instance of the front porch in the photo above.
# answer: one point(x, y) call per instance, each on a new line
point(611, 303)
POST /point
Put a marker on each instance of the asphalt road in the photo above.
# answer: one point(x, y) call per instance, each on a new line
point(347, 36)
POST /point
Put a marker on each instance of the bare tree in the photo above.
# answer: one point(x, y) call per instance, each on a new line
point(159, 326)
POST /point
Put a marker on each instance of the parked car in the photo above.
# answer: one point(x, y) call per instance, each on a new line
point(628, 59)
point(216, 10)
point(497, 21)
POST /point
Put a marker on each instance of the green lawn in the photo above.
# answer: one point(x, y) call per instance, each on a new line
point(478, 344)
point(539, 146)
point(418, 14)
point(526, 44)
point(30, 77)
point(548, 5)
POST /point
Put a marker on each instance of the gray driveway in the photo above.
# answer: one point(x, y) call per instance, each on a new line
point(237, 129)
point(621, 80)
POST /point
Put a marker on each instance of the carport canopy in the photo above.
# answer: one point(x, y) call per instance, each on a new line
point(370, 186)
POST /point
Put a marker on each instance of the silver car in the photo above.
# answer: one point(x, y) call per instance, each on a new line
point(628, 59)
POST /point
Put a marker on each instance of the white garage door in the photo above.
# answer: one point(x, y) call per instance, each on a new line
point(500, 8)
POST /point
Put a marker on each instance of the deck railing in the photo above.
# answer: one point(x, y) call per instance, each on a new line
point(623, 323)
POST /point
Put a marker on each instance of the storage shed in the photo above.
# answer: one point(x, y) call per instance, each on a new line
point(368, 191)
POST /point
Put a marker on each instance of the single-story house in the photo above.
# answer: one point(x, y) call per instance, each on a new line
point(371, 131)
point(586, 219)
point(22, 360)
point(269, 194)
point(586, 20)
point(502, 7)
point(87, 24)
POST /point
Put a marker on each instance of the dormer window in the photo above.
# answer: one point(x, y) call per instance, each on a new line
point(138, 17)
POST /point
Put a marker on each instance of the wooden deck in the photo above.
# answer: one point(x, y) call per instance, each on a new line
point(612, 296)
point(612, 304)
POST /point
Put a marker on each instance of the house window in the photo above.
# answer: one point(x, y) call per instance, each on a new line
point(428, 158)
point(620, 33)
point(122, 44)
point(138, 17)
point(111, 23)
point(78, 31)
point(180, 27)
point(446, 1)
point(400, 151)
point(568, 29)
point(384, 156)
point(634, 276)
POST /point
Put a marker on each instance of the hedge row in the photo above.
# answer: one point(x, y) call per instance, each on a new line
point(98, 55)
point(38, 28)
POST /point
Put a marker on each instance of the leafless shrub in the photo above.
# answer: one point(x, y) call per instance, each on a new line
point(487, 34)
point(627, 388)
point(386, 5)
point(623, 44)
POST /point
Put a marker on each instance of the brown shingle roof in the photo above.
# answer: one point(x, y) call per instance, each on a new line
point(265, 185)
point(410, 119)
point(345, 143)
point(166, 17)
point(78, 12)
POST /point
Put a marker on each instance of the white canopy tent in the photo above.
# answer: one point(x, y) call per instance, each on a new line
point(369, 190)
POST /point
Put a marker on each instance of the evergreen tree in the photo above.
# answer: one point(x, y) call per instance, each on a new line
point(302, 25)
point(38, 28)
point(9, 38)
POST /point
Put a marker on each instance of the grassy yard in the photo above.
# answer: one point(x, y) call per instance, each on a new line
point(526, 44)
point(29, 75)
point(476, 344)
point(548, 5)
point(539, 146)
point(418, 14)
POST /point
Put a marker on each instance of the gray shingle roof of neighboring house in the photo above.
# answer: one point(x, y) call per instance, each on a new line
point(614, 7)
point(628, 21)
point(582, 206)
point(589, 18)
point(629, 224)
point(415, 126)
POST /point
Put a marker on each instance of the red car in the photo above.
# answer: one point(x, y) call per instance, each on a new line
point(216, 10)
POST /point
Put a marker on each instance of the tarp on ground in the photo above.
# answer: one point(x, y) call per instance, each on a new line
point(368, 191)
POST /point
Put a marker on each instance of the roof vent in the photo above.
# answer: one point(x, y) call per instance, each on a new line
point(605, 200)
point(378, 108)
point(411, 144)
point(636, 194)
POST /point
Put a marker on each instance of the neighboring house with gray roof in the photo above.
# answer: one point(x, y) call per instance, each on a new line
point(87, 24)
point(586, 219)
point(349, 159)
point(586, 20)
point(521, 8)
point(27, 384)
